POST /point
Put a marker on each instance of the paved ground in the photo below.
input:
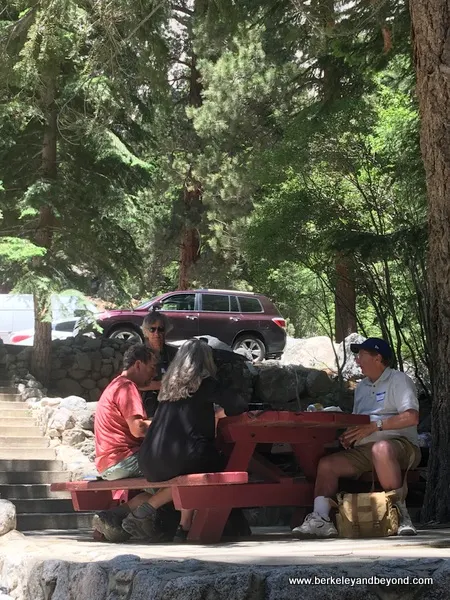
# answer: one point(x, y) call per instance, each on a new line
point(268, 546)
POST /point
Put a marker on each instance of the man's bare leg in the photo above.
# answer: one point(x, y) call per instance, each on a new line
point(330, 469)
point(386, 465)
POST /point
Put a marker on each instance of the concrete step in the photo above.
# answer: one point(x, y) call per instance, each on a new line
point(43, 505)
point(27, 491)
point(24, 441)
point(21, 453)
point(21, 430)
point(8, 389)
point(31, 465)
point(22, 406)
point(10, 397)
point(40, 521)
point(17, 420)
point(29, 477)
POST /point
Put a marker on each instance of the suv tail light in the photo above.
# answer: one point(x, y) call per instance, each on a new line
point(19, 337)
point(280, 322)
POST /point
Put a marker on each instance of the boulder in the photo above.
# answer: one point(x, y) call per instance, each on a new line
point(32, 394)
point(74, 403)
point(83, 361)
point(85, 418)
point(87, 447)
point(58, 374)
point(88, 384)
point(77, 374)
point(93, 343)
point(107, 352)
point(72, 437)
point(106, 370)
point(318, 383)
point(315, 353)
point(7, 516)
point(61, 420)
point(346, 358)
point(281, 386)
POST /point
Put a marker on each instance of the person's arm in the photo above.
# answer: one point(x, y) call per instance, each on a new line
point(408, 418)
point(138, 426)
point(129, 402)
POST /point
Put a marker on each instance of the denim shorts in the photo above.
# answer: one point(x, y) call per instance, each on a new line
point(128, 467)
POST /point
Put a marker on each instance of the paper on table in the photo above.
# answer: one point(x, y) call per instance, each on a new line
point(333, 409)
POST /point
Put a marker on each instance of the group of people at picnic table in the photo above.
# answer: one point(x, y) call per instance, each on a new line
point(158, 420)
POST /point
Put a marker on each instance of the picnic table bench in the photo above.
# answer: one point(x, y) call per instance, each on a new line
point(214, 495)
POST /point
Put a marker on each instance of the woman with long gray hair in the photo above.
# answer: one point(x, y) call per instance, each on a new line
point(181, 437)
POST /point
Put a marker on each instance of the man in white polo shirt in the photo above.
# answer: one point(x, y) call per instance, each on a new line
point(389, 443)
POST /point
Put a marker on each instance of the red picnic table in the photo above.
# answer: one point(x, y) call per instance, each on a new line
point(308, 433)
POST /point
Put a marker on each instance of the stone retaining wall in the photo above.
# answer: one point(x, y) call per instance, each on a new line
point(81, 366)
point(128, 577)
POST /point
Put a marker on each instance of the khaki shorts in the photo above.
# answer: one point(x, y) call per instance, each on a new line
point(361, 456)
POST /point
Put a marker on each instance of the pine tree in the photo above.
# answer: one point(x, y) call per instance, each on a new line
point(70, 116)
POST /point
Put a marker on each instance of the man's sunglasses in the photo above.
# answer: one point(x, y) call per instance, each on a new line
point(157, 329)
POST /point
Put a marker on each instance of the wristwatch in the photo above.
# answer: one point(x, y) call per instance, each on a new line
point(380, 425)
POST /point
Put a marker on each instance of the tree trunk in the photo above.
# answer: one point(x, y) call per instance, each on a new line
point(345, 298)
point(190, 240)
point(41, 357)
point(431, 32)
point(192, 197)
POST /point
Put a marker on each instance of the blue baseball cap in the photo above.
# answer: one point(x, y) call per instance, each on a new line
point(374, 345)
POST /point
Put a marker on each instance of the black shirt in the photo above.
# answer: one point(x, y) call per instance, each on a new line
point(150, 397)
point(181, 437)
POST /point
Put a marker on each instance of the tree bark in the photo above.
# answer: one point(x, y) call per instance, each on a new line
point(192, 196)
point(190, 237)
point(345, 298)
point(41, 356)
point(431, 34)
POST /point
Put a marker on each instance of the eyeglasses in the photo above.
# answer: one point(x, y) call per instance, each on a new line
point(157, 329)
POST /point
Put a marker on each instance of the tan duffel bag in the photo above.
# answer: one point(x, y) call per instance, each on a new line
point(367, 515)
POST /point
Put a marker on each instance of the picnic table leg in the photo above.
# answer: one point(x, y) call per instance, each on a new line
point(209, 523)
point(311, 449)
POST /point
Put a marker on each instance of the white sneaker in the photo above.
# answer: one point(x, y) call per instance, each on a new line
point(315, 526)
point(405, 526)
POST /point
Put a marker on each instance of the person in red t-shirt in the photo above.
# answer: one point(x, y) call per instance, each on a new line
point(120, 426)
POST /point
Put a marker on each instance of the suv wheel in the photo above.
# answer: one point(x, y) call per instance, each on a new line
point(126, 334)
point(253, 345)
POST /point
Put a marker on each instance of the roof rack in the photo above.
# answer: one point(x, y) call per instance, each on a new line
point(227, 291)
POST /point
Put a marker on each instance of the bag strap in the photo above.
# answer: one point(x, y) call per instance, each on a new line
point(375, 520)
point(355, 516)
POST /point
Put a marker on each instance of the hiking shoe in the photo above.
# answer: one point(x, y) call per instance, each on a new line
point(315, 526)
point(109, 524)
point(180, 536)
point(405, 526)
point(148, 528)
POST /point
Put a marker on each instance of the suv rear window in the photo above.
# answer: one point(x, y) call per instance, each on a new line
point(215, 303)
point(179, 302)
point(250, 305)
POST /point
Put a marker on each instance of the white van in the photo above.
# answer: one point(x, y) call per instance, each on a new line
point(17, 312)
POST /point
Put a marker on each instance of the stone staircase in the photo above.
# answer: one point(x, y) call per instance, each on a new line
point(27, 468)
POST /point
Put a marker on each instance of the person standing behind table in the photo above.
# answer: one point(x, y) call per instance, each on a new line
point(120, 426)
point(155, 328)
point(388, 444)
point(181, 438)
